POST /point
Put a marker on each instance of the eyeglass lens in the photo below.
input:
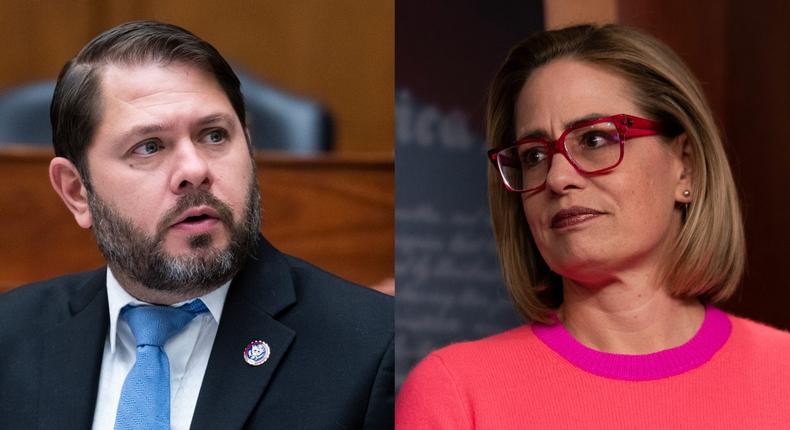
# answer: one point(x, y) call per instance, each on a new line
point(590, 148)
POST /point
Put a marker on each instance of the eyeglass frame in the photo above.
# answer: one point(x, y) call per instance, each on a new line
point(628, 126)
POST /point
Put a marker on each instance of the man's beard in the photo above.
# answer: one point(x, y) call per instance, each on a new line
point(142, 259)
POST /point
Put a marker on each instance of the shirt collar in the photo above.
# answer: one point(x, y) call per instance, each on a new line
point(117, 298)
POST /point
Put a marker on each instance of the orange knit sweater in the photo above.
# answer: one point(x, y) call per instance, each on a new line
point(734, 374)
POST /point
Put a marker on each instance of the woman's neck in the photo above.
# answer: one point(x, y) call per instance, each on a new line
point(629, 316)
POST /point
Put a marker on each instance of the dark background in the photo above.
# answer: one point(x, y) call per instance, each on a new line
point(449, 286)
point(740, 51)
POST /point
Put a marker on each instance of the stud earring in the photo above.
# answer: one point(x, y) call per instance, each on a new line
point(686, 193)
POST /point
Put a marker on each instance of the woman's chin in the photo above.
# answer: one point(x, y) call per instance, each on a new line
point(585, 273)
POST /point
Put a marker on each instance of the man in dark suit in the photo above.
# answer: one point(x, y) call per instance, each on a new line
point(197, 321)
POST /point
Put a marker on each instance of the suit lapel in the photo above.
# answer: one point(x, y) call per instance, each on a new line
point(231, 388)
point(71, 355)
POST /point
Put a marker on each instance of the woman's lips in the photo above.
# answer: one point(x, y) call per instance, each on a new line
point(573, 216)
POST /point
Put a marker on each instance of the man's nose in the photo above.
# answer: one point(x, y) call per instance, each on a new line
point(191, 169)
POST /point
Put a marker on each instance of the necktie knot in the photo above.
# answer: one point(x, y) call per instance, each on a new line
point(154, 325)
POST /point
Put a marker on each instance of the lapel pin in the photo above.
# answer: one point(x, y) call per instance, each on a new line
point(257, 352)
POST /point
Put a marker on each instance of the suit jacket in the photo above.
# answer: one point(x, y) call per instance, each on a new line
point(331, 362)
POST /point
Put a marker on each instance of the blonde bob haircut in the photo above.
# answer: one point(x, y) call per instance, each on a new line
point(708, 255)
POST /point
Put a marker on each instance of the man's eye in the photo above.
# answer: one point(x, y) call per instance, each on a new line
point(147, 148)
point(217, 136)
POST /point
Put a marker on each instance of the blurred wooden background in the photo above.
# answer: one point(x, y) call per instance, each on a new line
point(338, 52)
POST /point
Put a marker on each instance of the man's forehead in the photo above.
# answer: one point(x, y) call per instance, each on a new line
point(133, 79)
point(140, 99)
point(155, 85)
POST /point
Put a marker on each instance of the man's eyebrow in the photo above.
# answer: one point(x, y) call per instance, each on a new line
point(142, 130)
point(541, 133)
point(214, 118)
point(145, 129)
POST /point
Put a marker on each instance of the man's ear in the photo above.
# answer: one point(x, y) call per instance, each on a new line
point(68, 184)
point(683, 192)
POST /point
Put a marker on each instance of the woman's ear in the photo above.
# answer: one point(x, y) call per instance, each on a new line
point(682, 150)
point(66, 181)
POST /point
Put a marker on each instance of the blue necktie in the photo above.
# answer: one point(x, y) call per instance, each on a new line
point(145, 396)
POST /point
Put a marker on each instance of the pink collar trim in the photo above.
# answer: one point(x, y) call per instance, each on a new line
point(712, 335)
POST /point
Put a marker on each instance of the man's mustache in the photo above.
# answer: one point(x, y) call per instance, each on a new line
point(191, 200)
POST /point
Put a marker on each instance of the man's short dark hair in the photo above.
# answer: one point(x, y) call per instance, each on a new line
point(76, 104)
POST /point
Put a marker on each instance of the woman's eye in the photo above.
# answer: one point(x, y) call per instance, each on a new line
point(147, 148)
point(531, 157)
point(216, 136)
point(595, 140)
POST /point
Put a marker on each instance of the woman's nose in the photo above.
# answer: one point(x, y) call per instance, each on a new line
point(562, 175)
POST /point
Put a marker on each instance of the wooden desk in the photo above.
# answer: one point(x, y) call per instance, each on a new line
point(333, 210)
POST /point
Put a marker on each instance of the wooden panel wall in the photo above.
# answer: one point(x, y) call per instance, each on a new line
point(741, 55)
point(335, 211)
point(562, 13)
point(339, 52)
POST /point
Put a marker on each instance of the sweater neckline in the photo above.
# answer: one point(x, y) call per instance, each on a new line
point(711, 336)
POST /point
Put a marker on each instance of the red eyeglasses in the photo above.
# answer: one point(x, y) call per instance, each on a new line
point(592, 147)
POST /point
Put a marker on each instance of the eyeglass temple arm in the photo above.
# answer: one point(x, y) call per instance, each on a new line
point(639, 127)
point(640, 132)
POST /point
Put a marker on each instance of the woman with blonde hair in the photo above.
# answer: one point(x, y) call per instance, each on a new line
point(618, 228)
